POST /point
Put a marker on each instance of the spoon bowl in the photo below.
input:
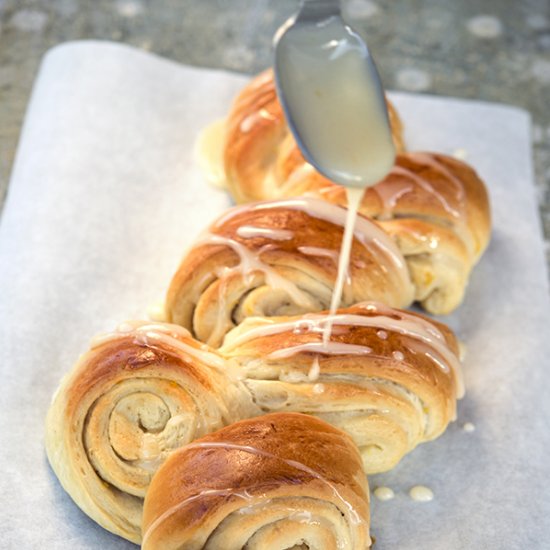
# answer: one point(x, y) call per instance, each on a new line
point(332, 96)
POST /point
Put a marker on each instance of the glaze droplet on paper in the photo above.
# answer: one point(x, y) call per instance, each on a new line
point(384, 493)
point(420, 493)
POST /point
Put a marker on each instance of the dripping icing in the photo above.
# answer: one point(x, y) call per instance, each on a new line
point(249, 232)
point(428, 336)
point(161, 334)
point(354, 196)
point(368, 233)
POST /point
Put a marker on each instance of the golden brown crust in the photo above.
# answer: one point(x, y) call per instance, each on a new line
point(427, 186)
point(256, 468)
point(260, 148)
point(137, 395)
point(262, 161)
point(285, 264)
point(388, 377)
point(254, 130)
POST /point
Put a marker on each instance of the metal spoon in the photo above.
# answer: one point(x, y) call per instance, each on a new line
point(332, 96)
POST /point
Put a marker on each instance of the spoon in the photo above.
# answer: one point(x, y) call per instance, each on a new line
point(332, 96)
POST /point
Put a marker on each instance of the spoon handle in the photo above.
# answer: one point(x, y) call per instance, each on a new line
point(316, 10)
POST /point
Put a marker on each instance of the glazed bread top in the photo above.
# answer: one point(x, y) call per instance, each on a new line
point(262, 161)
point(281, 258)
point(370, 344)
point(249, 467)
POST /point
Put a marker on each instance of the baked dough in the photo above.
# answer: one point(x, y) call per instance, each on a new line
point(281, 258)
point(389, 378)
point(135, 397)
point(434, 206)
point(278, 482)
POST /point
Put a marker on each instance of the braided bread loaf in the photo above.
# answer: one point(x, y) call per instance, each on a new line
point(121, 427)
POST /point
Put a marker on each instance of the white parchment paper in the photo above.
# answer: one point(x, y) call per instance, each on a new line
point(104, 199)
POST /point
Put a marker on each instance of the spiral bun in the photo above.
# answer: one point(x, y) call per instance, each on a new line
point(434, 206)
point(279, 481)
point(280, 258)
point(388, 377)
point(130, 401)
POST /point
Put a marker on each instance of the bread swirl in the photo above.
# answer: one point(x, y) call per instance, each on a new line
point(389, 378)
point(280, 258)
point(436, 207)
point(280, 481)
point(437, 210)
point(135, 397)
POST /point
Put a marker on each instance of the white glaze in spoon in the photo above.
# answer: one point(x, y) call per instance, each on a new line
point(334, 102)
point(332, 96)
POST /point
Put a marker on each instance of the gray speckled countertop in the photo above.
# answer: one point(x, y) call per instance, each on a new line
point(493, 50)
